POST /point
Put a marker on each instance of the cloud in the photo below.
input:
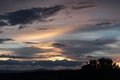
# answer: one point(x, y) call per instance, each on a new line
point(28, 16)
point(103, 24)
point(76, 48)
point(22, 26)
point(28, 51)
point(1, 31)
point(3, 24)
point(97, 25)
point(82, 5)
point(45, 29)
point(2, 40)
point(22, 57)
point(31, 43)
point(58, 45)
point(15, 57)
point(112, 49)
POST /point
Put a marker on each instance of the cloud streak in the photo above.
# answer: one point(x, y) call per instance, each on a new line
point(83, 5)
point(2, 40)
point(97, 25)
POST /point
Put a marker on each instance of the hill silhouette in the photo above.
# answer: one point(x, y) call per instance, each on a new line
point(101, 69)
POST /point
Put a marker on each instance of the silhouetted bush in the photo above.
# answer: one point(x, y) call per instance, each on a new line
point(100, 64)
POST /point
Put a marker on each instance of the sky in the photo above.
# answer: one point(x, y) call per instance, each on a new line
point(57, 34)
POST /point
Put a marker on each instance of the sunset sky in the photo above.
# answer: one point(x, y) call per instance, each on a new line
point(63, 33)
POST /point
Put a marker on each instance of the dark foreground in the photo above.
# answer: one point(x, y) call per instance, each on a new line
point(101, 69)
point(63, 75)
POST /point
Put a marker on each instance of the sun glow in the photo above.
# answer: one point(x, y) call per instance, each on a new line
point(4, 59)
point(59, 58)
point(118, 63)
point(39, 35)
point(55, 54)
point(46, 45)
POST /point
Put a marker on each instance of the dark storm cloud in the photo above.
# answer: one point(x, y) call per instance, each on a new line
point(76, 48)
point(27, 16)
point(2, 40)
point(29, 51)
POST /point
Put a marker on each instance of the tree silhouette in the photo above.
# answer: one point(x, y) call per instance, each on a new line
point(100, 64)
